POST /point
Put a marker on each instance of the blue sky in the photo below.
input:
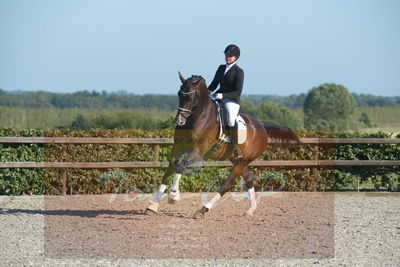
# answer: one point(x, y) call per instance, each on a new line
point(288, 46)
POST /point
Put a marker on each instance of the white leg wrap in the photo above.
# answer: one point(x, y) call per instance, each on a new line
point(175, 184)
point(252, 198)
point(213, 200)
point(174, 196)
point(160, 193)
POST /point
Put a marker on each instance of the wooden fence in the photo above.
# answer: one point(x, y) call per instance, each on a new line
point(157, 142)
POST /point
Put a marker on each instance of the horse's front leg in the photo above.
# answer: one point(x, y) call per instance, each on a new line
point(173, 194)
point(192, 157)
point(154, 203)
point(176, 168)
point(236, 171)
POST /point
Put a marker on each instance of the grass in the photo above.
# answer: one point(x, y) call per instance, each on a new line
point(53, 118)
point(385, 119)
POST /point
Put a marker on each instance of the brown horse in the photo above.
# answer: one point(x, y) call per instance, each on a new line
point(197, 135)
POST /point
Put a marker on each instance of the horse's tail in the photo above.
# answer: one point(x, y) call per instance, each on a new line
point(280, 134)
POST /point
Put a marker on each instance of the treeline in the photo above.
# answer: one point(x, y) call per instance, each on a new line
point(80, 118)
point(87, 100)
point(84, 119)
point(382, 118)
point(123, 100)
point(297, 101)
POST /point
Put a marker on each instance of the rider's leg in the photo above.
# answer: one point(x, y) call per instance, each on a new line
point(233, 111)
point(237, 154)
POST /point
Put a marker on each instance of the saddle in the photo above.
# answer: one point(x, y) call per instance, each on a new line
point(222, 120)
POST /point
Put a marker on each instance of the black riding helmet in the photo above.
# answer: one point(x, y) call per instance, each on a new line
point(232, 50)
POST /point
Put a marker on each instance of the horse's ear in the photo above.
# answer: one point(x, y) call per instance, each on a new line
point(183, 80)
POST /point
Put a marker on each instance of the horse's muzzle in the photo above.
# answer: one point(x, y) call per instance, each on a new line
point(180, 119)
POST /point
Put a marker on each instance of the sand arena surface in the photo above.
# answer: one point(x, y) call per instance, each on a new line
point(287, 229)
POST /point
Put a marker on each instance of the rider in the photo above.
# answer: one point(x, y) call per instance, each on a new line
point(230, 78)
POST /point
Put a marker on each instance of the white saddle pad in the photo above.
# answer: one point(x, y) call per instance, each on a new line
point(242, 132)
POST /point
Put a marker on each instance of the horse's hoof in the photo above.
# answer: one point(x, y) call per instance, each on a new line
point(200, 213)
point(173, 197)
point(198, 216)
point(149, 212)
point(172, 201)
point(249, 213)
point(152, 208)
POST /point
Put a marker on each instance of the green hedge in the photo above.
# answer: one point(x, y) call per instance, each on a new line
point(339, 177)
point(21, 181)
point(386, 177)
point(39, 181)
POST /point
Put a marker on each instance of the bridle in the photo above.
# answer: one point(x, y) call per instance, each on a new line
point(183, 111)
point(190, 111)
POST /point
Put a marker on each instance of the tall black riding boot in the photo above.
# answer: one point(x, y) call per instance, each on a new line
point(233, 134)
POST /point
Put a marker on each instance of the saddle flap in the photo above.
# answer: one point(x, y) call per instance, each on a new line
point(222, 118)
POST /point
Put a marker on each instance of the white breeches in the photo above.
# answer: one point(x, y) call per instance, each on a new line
point(233, 111)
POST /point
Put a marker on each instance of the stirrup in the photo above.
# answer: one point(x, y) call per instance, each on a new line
point(237, 153)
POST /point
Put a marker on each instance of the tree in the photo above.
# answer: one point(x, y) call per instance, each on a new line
point(364, 118)
point(80, 123)
point(273, 112)
point(120, 120)
point(279, 114)
point(328, 107)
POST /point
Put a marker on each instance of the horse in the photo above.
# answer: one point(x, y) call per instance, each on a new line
point(197, 135)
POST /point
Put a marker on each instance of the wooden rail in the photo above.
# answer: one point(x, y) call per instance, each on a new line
point(152, 164)
point(156, 142)
point(170, 141)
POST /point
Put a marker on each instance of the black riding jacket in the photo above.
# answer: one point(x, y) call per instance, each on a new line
point(231, 84)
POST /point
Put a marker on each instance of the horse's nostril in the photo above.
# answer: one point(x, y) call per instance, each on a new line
point(180, 120)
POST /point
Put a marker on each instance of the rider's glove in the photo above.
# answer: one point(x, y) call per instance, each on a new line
point(217, 96)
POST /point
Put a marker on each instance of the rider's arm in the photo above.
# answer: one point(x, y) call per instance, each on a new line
point(213, 85)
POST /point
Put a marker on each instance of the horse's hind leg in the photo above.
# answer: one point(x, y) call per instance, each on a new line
point(236, 171)
point(248, 178)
